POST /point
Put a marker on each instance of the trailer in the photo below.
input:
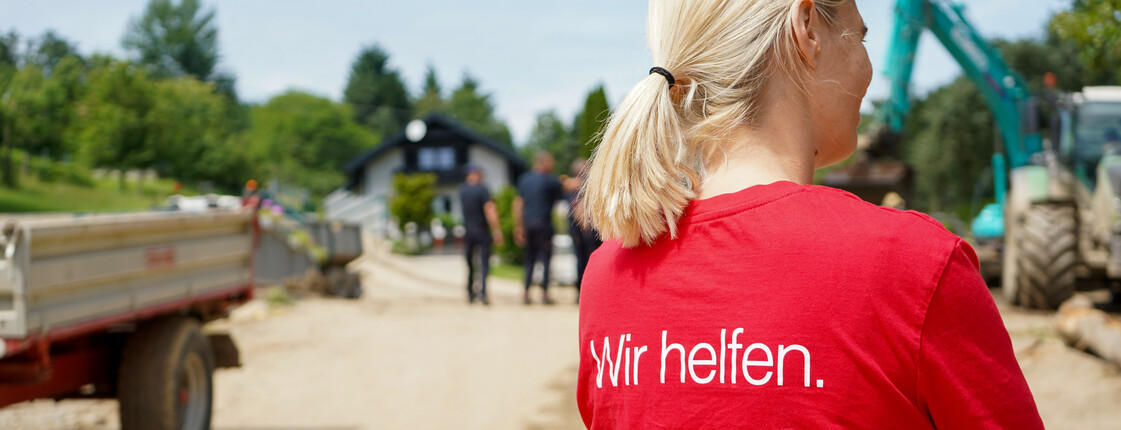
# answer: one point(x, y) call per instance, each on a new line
point(310, 255)
point(342, 243)
point(112, 306)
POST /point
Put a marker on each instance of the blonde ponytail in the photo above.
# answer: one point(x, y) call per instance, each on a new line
point(660, 141)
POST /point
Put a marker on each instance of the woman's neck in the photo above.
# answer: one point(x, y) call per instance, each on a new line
point(783, 150)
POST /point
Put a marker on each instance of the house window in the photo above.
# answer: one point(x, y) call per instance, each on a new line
point(435, 159)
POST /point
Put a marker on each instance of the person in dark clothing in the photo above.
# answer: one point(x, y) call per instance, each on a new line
point(480, 218)
point(538, 191)
point(585, 240)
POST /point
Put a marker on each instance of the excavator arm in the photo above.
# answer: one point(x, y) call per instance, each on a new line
point(1004, 90)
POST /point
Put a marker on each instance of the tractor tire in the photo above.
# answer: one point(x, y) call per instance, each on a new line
point(1009, 267)
point(165, 380)
point(1046, 255)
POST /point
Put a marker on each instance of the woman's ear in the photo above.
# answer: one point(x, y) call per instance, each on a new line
point(803, 18)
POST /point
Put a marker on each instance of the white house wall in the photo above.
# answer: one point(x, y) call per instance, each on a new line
point(379, 173)
point(378, 180)
point(495, 168)
point(494, 176)
point(451, 192)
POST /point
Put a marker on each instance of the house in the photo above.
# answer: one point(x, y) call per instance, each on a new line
point(435, 144)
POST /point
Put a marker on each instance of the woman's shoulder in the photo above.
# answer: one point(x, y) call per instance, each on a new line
point(815, 222)
point(887, 239)
point(857, 213)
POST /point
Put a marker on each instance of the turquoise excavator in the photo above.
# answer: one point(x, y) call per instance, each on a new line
point(1057, 217)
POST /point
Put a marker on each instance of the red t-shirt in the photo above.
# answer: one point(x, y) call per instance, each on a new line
point(791, 306)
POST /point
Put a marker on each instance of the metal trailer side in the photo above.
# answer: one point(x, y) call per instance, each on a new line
point(277, 260)
point(78, 294)
point(281, 260)
point(341, 240)
point(343, 243)
point(59, 273)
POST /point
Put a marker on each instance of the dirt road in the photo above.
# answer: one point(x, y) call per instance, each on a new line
point(1072, 389)
point(411, 354)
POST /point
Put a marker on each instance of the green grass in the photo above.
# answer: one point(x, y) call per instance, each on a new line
point(508, 271)
point(32, 195)
point(278, 297)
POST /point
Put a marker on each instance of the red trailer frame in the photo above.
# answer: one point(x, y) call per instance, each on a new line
point(81, 360)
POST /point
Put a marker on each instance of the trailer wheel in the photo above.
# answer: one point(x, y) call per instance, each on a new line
point(165, 377)
point(354, 285)
point(1047, 255)
point(336, 281)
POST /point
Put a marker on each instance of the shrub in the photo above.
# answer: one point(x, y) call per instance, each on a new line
point(77, 174)
point(447, 220)
point(510, 252)
point(401, 246)
point(45, 169)
point(277, 297)
point(412, 199)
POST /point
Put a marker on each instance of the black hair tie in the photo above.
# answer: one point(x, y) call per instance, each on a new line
point(666, 73)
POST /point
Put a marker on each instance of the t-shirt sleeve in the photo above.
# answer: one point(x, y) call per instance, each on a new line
point(968, 377)
point(557, 190)
point(521, 184)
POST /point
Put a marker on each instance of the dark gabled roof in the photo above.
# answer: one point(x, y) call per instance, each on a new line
point(356, 165)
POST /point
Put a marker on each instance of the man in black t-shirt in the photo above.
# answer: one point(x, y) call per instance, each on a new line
point(538, 191)
point(480, 218)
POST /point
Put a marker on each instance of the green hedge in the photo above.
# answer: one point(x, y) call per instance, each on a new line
point(510, 252)
point(50, 171)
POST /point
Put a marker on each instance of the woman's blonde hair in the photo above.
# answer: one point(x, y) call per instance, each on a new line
point(658, 144)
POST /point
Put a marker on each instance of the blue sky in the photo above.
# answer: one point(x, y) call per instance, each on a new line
point(530, 55)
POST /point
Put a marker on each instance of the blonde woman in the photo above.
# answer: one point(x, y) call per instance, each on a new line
point(732, 293)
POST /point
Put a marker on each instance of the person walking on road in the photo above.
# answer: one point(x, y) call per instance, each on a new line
point(585, 240)
point(480, 219)
point(730, 292)
point(538, 192)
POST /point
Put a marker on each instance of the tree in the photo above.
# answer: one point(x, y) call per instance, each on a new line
point(191, 135)
point(949, 137)
point(1033, 59)
point(9, 50)
point(590, 122)
point(26, 105)
point(48, 50)
point(46, 108)
point(1093, 27)
point(474, 110)
point(432, 98)
point(19, 90)
point(376, 93)
point(112, 127)
point(38, 97)
point(550, 135)
point(174, 39)
point(36, 110)
point(948, 146)
point(226, 84)
point(305, 140)
point(412, 198)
